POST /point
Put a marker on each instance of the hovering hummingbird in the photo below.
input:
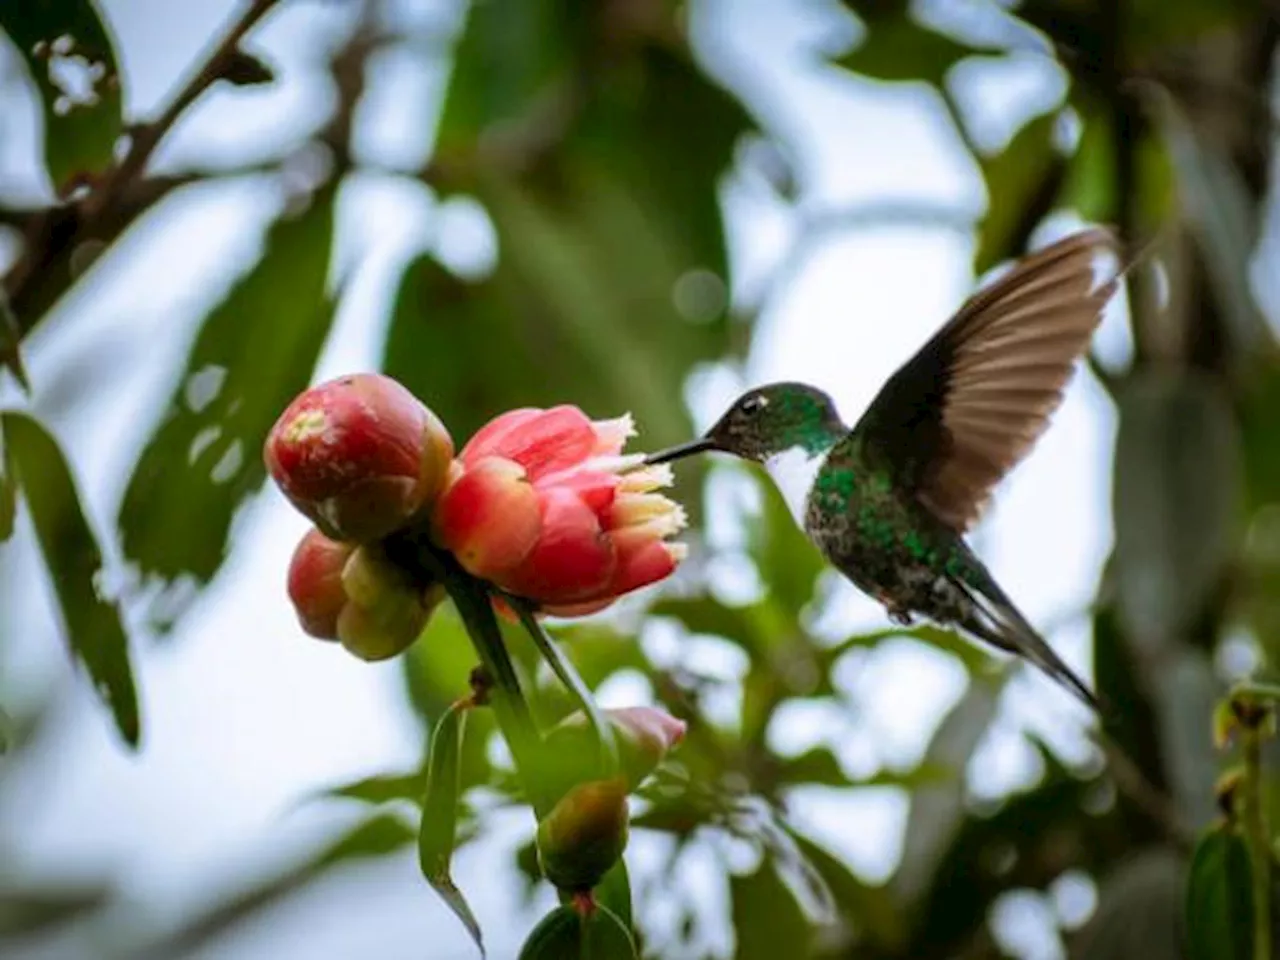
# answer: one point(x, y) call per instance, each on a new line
point(888, 502)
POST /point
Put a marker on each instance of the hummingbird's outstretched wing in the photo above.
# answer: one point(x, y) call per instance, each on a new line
point(969, 405)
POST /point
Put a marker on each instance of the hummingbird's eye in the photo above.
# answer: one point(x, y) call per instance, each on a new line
point(753, 405)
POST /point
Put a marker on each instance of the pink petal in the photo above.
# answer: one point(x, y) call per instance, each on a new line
point(488, 440)
point(489, 517)
point(596, 488)
point(645, 562)
point(572, 561)
point(541, 441)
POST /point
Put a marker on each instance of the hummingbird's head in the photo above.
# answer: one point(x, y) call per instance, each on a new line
point(767, 421)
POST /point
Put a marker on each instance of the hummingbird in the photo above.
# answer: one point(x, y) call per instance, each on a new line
point(889, 501)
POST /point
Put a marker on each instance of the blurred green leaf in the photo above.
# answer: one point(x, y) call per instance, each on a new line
point(614, 892)
point(1219, 908)
point(437, 833)
point(972, 657)
point(1028, 841)
point(896, 48)
point(564, 934)
point(385, 788)
point(8, 490)
point(788, 561)
point(72, 60)
point(11, 344)
point(1023, 182)
point(378, 836)
point(768, 921)
point(95, 630)
point(505, 60)
point(708, 616)
point(1225, 219)
point(1139, 912)
point(36, 908)
point(253, 354)
point(1175, 502)
point(936, 813)
point(870, 909)
point(610, 283)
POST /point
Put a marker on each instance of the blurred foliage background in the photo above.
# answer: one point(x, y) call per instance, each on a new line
point(588, 146)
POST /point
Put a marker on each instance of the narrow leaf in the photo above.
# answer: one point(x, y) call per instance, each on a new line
point(71, 58)
point(10, 344)
point(384, 788)
point(255, 352)
point(8, 490)
point(1219, 908)
point(95, 630)
point(438, 831)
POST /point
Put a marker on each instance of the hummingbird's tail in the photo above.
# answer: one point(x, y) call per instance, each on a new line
point(995, 619)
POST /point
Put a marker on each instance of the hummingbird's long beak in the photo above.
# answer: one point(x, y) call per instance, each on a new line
point(680, 451)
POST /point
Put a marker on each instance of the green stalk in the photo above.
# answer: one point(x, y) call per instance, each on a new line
point(1259, 842)
point(564, 670)
point(472, 600)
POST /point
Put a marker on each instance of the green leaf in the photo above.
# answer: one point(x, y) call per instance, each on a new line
point(1219, 908)
point(766, 917)
point(974, 658)
point(8, 490)
point(11, 344)
point(254, 353)
point(81, 127)
point(1023, 182)
point(31, 910)
point(1224, 215)
point(438, 831)
point(595, 242)
point(709, 616)
point(788, 561)
point(937, 813)
point(870, 908)
point(95, 630)
point(505, 59)
point(1175, 502)
point(379, 836)
point(564, 934)
point(385, 788)
point(614, 892)
point(1140, 906)
point(896, 48)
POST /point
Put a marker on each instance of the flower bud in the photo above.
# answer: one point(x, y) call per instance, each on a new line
point(361, 456)
point(644, 736)
point(385, 612)
point(584, 835)
point(315, 583)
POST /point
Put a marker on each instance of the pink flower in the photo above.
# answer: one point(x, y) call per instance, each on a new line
point(543, 504)
point(360, 456)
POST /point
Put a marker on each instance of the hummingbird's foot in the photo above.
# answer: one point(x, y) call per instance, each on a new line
point(896, 611)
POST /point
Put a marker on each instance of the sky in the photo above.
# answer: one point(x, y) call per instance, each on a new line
point(245, 716)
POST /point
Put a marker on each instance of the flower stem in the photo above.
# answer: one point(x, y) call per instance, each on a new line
point(564, 670)
point(505, 696)
point(1259, 841)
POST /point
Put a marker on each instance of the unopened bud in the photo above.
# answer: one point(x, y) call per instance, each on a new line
point(584, 835)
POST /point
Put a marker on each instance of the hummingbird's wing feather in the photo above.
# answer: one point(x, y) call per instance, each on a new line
point(968, 406)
